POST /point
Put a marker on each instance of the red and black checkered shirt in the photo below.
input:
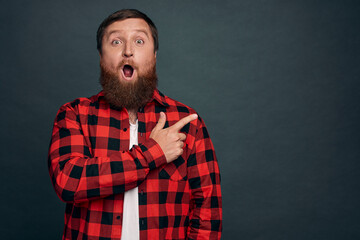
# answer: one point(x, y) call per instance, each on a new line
point(91, 167)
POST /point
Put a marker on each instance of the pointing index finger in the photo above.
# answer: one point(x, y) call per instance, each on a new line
point(182, 122)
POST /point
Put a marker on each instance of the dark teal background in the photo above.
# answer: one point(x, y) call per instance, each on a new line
point(277, 83)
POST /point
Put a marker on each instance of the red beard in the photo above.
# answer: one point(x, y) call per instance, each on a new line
point(130, 95)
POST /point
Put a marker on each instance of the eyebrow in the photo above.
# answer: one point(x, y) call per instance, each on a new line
point(136, 30)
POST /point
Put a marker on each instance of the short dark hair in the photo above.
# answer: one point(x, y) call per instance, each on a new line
point(121, 15)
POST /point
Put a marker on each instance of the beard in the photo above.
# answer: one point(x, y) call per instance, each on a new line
point(129, 95)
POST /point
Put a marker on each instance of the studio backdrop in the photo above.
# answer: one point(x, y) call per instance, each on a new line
point(277, 83)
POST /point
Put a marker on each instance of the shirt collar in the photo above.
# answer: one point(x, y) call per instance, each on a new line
point(160, 98)
point(157, 96)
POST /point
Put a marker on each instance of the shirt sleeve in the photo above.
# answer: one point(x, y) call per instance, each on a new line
point(205, 219)
point(77, 176)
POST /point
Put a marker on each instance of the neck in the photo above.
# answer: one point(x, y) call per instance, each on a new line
point(132, 115)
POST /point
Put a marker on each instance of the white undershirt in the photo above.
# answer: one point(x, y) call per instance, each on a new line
point(130, 223)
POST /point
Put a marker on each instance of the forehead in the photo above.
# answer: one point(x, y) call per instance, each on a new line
point(128, 25)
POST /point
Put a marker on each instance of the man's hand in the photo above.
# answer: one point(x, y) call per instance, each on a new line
point(169, 139)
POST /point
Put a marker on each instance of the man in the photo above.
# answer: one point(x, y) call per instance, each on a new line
point(130, 162)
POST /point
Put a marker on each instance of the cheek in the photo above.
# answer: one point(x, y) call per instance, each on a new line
point(149, 58)
point(110, 62)
point(111, 58)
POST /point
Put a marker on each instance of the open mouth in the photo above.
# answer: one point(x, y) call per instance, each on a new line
point(128, 71)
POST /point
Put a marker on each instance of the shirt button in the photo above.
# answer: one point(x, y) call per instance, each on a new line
point(125, 129)
point(118, 217)
point(142, 192)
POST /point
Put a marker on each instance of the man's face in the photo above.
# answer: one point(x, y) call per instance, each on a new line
point(128, 64)
point(128, 49)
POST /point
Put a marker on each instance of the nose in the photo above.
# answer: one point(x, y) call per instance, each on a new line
point(128, 51)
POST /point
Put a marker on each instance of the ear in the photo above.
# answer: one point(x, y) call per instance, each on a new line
point(155, 54)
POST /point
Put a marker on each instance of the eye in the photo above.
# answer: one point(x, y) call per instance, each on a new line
point(139, 41)
point(116, 42)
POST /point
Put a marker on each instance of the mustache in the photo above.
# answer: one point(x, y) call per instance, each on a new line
point(126, 62)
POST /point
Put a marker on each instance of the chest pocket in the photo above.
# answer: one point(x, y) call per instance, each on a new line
point(176, 170)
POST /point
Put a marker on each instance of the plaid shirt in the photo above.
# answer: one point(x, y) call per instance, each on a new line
point(91, 167)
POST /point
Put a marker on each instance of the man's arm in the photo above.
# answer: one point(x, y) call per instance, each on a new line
point(77, 176)
point(205, 220)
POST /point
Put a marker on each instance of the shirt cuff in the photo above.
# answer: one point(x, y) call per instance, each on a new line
point(153, 153)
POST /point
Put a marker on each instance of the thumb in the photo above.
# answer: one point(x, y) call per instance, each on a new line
point(161, 122)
